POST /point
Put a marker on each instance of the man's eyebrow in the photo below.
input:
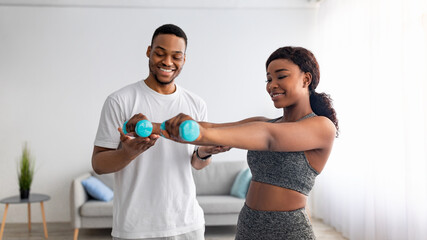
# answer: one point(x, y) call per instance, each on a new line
point(279, 70)
point(166, 50)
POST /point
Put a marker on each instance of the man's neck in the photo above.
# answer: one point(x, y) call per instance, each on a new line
point(160, 88)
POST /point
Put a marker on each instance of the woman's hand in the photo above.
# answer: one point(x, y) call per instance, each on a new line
point(172, 126)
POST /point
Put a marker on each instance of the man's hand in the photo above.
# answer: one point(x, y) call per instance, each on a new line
point(210, 150)
point(134, 146)
point(205, 151)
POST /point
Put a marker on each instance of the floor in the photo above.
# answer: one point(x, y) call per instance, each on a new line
point(63, 231)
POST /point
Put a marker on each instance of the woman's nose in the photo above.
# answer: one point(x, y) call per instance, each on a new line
point(272, 86)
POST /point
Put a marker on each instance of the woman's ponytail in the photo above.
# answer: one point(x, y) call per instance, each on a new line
point(321, 103)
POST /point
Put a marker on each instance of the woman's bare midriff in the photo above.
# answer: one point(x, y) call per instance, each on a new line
point(267, 197)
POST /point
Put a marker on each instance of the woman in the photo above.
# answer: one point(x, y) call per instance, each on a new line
point(285, 154)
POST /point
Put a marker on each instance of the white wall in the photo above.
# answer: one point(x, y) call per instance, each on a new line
point(59, 62)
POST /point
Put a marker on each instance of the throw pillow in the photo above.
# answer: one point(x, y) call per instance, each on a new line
point(241, 183)
point(97, 189)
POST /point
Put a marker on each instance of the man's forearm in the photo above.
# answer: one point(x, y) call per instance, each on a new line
point(198, 163)
point(110, 161)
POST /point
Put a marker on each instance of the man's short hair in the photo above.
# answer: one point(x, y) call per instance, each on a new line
point(170, 29)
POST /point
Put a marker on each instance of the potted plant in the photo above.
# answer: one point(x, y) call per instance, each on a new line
point(25, 173)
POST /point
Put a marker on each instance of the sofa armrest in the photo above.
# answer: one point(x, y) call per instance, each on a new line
point(78, 197)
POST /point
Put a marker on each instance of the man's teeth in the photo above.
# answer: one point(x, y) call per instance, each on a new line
point(166, 70)
point(277, 94)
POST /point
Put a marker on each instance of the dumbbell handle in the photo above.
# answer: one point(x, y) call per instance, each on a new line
point(188, 130)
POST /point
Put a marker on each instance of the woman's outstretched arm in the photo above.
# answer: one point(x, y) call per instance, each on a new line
point(247, 120)
point(312, 133)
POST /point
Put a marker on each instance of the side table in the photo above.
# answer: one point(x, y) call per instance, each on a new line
point(32, 198)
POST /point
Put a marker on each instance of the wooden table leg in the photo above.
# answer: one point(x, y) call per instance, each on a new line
point(4, 221)
point(29, 217)
point(76, 234)
point(44, 220)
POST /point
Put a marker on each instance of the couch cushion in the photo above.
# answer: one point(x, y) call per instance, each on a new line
point(94, 208)
point(218, 177)
point(97, 189)
point(220, 204)
point(241, 183)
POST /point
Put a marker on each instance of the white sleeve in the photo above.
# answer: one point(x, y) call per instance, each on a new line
point(112, 118)
point(203, 112)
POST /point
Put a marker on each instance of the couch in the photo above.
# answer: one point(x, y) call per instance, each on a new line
point(213, 186)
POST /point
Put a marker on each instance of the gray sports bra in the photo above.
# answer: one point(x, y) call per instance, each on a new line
point(284, 169)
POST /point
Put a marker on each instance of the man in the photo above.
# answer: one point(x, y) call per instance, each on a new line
point(154, 192)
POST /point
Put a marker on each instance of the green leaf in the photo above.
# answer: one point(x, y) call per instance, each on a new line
point(25, 169)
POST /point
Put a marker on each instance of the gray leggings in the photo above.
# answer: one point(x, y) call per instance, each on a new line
point(270, 225)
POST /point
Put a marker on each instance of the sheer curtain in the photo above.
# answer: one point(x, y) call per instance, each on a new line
point(373, 60)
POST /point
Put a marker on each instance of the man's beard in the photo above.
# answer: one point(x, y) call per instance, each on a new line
point(160, 82)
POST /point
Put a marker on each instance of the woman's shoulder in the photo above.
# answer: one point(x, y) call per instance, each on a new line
point(322, 124)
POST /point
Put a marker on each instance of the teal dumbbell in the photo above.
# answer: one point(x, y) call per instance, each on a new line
point(188, 130)
point(143, 128)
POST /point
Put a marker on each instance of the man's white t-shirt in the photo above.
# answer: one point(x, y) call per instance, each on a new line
point(155, 195)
